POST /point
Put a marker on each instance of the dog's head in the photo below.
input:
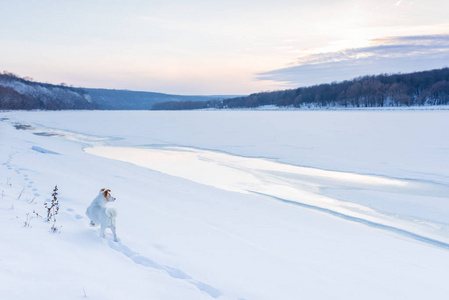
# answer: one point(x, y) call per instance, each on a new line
point(107, 195)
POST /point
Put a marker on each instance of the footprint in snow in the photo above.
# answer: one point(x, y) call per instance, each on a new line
point(172, 272)
point(76, 216)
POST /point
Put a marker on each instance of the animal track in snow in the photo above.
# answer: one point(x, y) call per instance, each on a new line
point(172, 272)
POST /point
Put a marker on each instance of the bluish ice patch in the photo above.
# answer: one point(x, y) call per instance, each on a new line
point(42, 150)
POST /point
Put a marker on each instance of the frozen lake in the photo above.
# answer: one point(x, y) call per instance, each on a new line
point(215, 204)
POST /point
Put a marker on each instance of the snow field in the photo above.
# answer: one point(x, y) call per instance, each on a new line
point(183, 238)
point(75, 262)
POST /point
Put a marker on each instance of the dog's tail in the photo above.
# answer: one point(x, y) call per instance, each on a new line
point(112, 213)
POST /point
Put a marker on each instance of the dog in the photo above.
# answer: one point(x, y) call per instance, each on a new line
point(101, 215)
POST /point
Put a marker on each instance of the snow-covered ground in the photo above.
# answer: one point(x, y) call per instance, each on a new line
point(227, 204)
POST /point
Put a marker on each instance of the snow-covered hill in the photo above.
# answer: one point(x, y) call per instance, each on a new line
point(19, 93)
point(227, 205)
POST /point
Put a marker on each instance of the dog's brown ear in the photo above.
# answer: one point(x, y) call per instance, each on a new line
point(106, 193)
point(102, 190)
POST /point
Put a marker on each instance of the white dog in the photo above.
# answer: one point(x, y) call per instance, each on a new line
point(101, 215)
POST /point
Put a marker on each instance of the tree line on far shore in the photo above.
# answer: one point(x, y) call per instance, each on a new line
point(413, 89)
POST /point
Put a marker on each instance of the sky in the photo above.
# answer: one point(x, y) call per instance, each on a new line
point(214, 47)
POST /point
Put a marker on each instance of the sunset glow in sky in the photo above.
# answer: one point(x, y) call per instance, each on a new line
point(219, 47)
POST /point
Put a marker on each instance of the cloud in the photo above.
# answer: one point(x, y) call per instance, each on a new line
point(384, 55)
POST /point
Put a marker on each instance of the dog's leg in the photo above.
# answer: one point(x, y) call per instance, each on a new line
point(113, 232)
point(102, 229)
